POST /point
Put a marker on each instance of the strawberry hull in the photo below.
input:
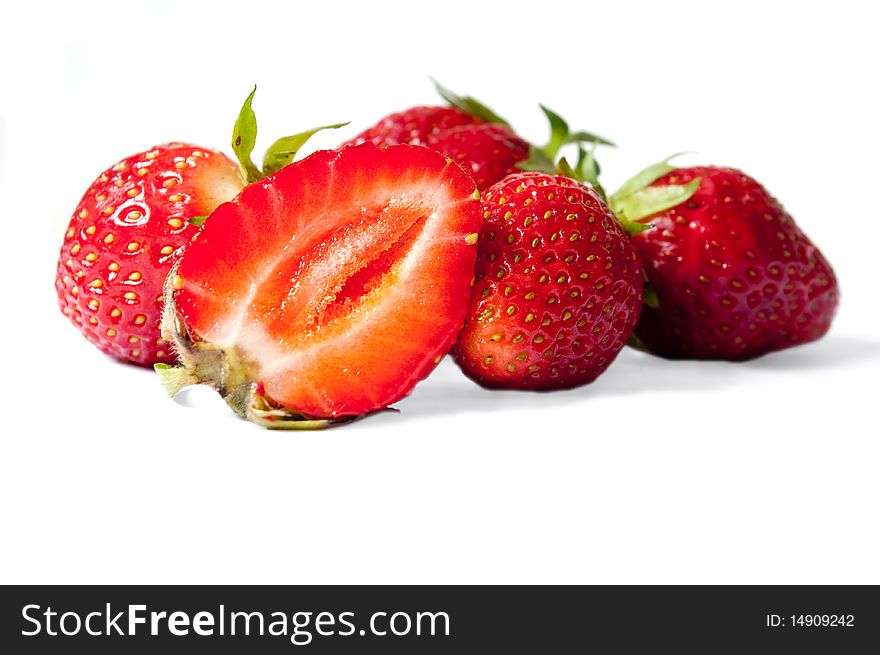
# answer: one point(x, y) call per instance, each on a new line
point(344, 279)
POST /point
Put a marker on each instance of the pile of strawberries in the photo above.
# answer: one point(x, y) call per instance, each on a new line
point(312, 292)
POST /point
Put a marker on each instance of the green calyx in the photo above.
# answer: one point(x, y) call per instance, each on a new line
point(245, 400)
point(586, 169)
point(468, 104)
point(542, 159)
point(561, 135)
point(262, 411)
point(649, 297)
point(225, 372)
point(545, 159)
point(174, 379)
point(199, 363)
point(637, 199)
point(279, 154)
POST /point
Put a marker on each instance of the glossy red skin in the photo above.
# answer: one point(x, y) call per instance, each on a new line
point(488, 151)
point(113, 263)
point(562, 281)
point(344, 280)
point(414, 126)
point(734, 275)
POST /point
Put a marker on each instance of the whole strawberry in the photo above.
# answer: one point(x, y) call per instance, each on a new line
point(734, 276)
point(414, 126)
point(488, 151)
point(558, 286)
point(132, 225)
point(124, 235)
point(474, 137)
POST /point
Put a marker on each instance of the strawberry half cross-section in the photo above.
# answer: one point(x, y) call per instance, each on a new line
point(327, 290)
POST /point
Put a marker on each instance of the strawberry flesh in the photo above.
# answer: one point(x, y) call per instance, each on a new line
point(344, 277)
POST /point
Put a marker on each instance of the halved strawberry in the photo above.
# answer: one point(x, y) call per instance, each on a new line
point(344, 279)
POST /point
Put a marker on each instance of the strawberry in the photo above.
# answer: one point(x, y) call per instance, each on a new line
point(344, 280)
point(487, 151)
point(734, 276)
point(474, 136)
point(124, 235)
point(415, 126)
point(131, 226)
point(558, 286)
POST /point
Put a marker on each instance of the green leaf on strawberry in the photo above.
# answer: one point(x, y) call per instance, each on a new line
point(540, 159)
point(282, 152)
point(651, 200)
point(244, 138)
point(558, 133)
point(561, 135)
point(587, 168)
point(646, 176)
point(279, 154)
point(537, 161)
point(469, 104)
point(637, 199)
point(582, 136)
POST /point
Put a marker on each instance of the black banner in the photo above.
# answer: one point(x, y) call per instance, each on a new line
point(448, 619)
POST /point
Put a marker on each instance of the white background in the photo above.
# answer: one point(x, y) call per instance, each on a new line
point(675, 472)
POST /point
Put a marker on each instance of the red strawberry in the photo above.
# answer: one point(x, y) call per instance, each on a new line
point(133, 223)
point(734, 276)
point(474, 136)
point(415, 126)
point(123, 238)
point(558, 286)
point(345, 278)
point(487, 151)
